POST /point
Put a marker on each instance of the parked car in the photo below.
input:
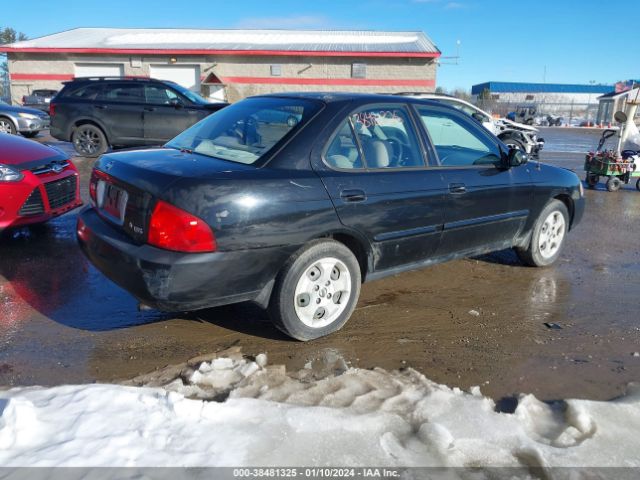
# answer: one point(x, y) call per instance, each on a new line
point(295, 215)
point(39, 99)
point(37, 182)
point(98, 112)
point(512, 134)
point(27, 121)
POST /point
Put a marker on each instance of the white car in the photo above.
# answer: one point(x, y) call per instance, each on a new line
point(516, 135)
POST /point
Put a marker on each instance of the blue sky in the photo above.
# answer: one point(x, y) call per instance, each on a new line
point(574, 41)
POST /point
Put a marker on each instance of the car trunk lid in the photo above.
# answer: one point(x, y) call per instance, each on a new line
point(125, 185)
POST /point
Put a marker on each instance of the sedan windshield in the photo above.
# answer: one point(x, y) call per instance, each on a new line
point(246, 131)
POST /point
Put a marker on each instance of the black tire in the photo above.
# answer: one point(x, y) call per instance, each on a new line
point(89, 140)
point(613, 184)
point(529, 121)
point(592, 180)
point(30, 134)
point(283, 303)
point(531, 254)
point(7, 126)
point(513, 142)
point(638, 185)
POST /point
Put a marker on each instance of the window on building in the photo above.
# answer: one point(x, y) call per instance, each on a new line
point(359, 70)
point(276, 70)
point(495, 96)
point(529, 97)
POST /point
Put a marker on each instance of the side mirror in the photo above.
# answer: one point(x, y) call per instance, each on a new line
point(620, 117)
point(516, 157)
point(176, 103)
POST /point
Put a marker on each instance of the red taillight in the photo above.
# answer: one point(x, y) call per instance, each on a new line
point(52, 109)
point(174, 229)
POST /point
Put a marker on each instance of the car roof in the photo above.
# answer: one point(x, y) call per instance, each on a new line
point(332, 97)
point(116, 79)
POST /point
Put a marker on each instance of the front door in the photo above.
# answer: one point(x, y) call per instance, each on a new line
point(486, 205)
point(374, 170)
point(167, 113)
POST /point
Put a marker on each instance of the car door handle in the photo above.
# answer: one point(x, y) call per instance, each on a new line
point(149, 109)
point(457, 188)
point(353, 195)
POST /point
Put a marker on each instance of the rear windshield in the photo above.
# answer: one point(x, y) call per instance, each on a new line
point(246, 131)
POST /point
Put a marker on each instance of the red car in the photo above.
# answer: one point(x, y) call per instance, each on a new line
point(37, 182)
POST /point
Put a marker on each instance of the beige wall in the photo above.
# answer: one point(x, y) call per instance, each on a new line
point(234, 66)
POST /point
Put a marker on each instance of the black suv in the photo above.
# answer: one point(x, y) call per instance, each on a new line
point(97, 112)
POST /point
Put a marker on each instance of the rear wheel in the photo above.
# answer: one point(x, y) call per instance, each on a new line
point(316, 291)
point(638, 185)
point(592, 180)
point(89, 141)
point(547, 238)
point(613, 184)
point(30, 134)
point(6, 126)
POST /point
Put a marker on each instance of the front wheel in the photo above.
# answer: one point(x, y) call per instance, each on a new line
point(547, 238)
point(89, 141)
point(30, 134)
point(316, 291)
point(613, 184)
point(638, 185)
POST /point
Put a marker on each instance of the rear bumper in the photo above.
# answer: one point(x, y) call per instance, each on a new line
point(174, 281)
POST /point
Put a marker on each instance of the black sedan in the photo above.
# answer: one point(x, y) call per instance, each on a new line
point(292, 201)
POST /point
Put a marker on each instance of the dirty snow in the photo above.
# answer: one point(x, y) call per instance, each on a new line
point(325, 414)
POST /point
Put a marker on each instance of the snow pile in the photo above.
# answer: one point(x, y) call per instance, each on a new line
point(272, 418)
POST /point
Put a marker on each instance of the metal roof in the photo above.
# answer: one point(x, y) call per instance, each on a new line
point(165, 40)
point(513, 87)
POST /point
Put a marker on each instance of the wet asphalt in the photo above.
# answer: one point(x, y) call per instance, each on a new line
point(477, 321)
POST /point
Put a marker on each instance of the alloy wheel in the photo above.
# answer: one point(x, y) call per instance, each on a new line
point(87, 141)
point(5, 126)
point(551, 234)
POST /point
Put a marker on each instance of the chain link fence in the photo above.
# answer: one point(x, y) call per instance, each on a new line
point(543, 113)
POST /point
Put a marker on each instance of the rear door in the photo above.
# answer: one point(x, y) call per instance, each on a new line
point(120, 108)
point(486, 204)
point(166, 113)
point(375, 172)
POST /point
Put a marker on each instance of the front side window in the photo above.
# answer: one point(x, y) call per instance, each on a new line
point(387, 138)
point(157, 95)
point(456, 142)
point(246, 131)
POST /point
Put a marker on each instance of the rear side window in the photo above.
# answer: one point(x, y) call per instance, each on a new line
point(89, 92)
point(343, 151)
point(124, 93)
point(387, 137)
point(457, 142)
point(246, 131)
